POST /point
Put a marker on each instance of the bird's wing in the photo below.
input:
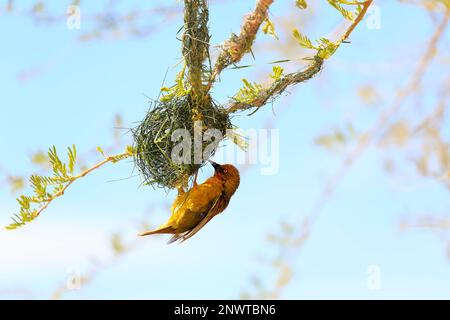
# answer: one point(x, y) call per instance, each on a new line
point(199, 202)
point(190, 208)
point(202, 223)
point(202, 198)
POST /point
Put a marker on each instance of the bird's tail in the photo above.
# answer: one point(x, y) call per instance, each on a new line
point(157, 231)
point(176, 237)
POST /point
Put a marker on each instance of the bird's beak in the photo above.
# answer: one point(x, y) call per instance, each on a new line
point(215, 165)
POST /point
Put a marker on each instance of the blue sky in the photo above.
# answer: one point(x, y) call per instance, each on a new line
point(75, 98)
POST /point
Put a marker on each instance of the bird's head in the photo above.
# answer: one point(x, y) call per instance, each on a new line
point(229, 174)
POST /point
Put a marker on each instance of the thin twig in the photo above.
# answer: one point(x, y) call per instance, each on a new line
point(279, 86)
point(366, 5)
point(108, 159)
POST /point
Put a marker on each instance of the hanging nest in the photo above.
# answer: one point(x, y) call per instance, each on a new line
point(153, 138)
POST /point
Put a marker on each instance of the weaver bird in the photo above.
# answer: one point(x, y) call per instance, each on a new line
point(193, 209)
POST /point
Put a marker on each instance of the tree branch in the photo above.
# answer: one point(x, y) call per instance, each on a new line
point(279, 86)
point(234, 48)
point(42, 198)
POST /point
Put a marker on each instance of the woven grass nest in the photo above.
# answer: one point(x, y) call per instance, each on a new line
point(153, 138)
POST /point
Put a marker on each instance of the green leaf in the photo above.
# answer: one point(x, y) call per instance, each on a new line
point(72, 154)
point(248, 93)
point(345, 13)
point(277, 73)
point(269, 28)
point(303, 40)
point(301, 4)
point(99, 149)
point(326, 48)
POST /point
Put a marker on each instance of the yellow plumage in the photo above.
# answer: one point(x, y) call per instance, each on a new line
point(191, 210)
